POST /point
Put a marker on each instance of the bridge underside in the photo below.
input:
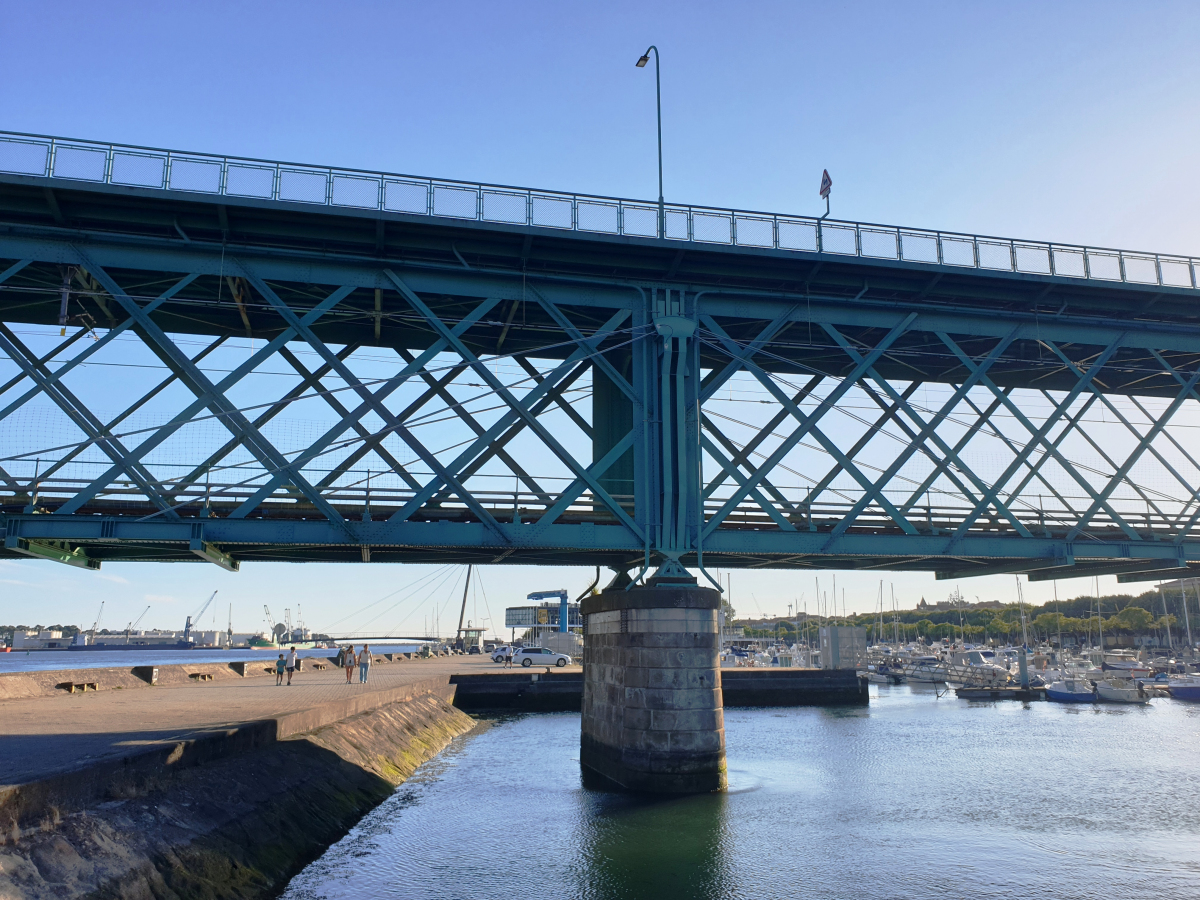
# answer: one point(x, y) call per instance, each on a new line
point(188, 380)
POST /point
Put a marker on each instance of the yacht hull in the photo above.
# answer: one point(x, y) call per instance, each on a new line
point(1060, 695)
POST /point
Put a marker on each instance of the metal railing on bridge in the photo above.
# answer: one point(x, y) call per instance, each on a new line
point(199, 173)
point(124, 497)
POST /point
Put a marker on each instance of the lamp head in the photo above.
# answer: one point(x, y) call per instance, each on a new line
point(641, 63)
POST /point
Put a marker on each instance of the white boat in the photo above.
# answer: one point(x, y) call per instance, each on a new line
point(1121, 690)
point(1125, 663)
point(926, 669)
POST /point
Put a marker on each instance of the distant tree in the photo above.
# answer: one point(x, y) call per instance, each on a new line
point(1048, 623)
point(1134, 619)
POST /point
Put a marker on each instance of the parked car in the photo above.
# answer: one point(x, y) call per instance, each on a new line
point(540, 656)
point(500, 654)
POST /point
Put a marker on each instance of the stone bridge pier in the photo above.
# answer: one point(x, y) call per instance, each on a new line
point(652, 707)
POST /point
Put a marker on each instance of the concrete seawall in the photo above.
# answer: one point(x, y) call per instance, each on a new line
point(563, 691)
point(225, 812)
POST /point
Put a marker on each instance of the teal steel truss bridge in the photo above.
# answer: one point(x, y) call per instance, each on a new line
point(208, 358)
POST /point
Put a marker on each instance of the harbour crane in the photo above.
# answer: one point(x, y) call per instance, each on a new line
point(134, 624)
point(276, 628)
point(96, 624)
point(187, 628)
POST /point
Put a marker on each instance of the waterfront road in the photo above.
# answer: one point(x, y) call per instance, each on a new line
point(43, 736)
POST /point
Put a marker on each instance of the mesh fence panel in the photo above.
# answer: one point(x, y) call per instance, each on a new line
point(641, 220)
point(839, 239)
point(919, 247)
point(406, 196)
point(755, 232)
point(879, 244)
point(456, 203)
point(994, 255)
point(676, 224)
point(24, 157)
point(1141, 269)
point(1069, 263)
point(1032, 258)
point(350, 190)
point(500, 206)
point(602, 217)
point(797, 235)
point(249, 181)
point(552, 212)
point(81, 163)
point(958, 251)
point(140, 169)
point(195, 175)
point(712, 228)
point(303, 187)
point(1175, 272)
point(1106, 266)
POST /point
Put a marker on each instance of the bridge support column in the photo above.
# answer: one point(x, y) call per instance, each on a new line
point(652, 711)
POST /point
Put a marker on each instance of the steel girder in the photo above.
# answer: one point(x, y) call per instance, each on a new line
point(804, 484)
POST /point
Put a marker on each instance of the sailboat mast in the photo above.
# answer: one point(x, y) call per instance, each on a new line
point(463, 611)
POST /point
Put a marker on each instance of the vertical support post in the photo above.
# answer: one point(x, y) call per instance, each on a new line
point(612, 419)
point(378, 312)
point(677, 451)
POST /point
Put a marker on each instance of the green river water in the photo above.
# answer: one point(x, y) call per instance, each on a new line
point(914, 796)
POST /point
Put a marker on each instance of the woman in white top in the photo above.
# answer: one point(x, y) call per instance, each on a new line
point(348, 661)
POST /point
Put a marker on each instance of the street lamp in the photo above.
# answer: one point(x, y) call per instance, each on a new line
point(641, 64)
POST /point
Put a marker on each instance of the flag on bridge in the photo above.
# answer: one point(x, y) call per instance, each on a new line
point(826, 184)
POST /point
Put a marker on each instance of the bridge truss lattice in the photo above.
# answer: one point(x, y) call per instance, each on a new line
point(302, 383)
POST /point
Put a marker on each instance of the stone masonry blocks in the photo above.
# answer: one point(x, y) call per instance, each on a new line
point(652, 705)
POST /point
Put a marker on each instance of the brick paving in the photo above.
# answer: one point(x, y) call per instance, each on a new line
point(45, 735)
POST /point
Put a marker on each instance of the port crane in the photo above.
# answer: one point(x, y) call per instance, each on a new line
point(277, 629)
point(96, 624)
point(187, 628)
point(134, 624)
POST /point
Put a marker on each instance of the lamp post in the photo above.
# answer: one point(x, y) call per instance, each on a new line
point(641, 64)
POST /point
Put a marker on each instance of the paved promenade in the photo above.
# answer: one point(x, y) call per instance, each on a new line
point(42, 736)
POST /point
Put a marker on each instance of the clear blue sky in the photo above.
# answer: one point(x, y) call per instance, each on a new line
point(1074, 122)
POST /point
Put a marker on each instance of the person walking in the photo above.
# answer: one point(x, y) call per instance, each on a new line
point(364, 664)
point(508, 655)
point(292, 664)
point(280, 665)
point(349, 661)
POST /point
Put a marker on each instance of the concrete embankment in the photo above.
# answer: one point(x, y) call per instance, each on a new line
point(554, 691)
point(231, 810)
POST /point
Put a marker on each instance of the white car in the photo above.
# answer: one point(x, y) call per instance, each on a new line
point(500, 654)
point(540, 656)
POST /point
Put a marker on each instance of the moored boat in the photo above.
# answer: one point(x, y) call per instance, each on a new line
point(1121, 690)
point(1186, 687)
point(1071, 691)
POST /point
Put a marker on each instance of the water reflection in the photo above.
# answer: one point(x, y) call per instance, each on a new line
point(637, 847)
